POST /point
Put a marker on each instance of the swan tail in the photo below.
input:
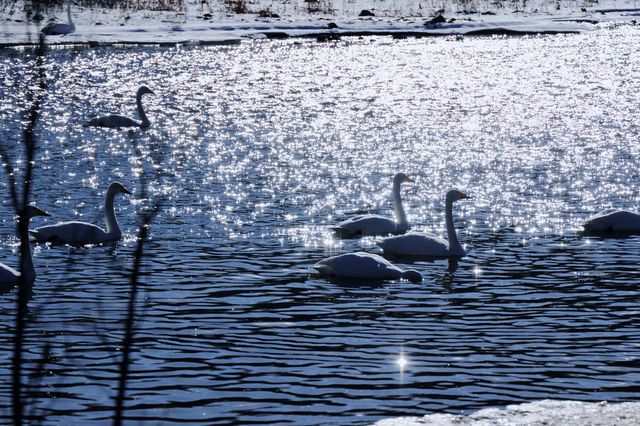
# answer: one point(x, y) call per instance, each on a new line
point(340, 231)
point(322, 269)
point(41, 238)
point(36, 236)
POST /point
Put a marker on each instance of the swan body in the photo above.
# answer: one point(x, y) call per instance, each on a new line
point(422, 244)
point(81, 233)
point(364, 265)
point(116, 121)
point(619, 221)
point(372, 224)
point(58, 28)
point(8, 275)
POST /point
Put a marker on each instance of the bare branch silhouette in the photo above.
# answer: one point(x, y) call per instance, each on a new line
point(146, 218)
point(34, 93)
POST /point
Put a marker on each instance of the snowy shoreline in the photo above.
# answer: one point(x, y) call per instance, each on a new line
point(96, 27)
point(539, 413)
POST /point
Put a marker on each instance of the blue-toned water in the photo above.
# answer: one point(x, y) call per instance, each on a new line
point(257, 149)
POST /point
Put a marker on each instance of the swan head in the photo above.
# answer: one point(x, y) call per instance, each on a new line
point(33, 211)
point(143, 89)
point(455, 195)
point(412, 275)
point(117, 187)
point(401, 177)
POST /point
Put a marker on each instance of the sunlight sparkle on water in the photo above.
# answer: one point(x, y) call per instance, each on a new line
point(402, 361)
point(268, 144)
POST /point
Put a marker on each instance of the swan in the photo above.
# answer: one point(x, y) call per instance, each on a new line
point(421, 244)
point(364, 265)
point(115, 121)
point(60, 29)
point(618, 221)
point(373, 224)
point(82, 233)
point(8, 275)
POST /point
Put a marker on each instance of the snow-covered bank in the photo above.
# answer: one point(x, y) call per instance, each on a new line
point(547, 412)
point(208, 24)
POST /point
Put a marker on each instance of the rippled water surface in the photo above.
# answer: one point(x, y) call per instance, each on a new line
point(258, 148)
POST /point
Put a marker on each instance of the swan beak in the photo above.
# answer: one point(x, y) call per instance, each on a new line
point(40, 212)
point(463, 195)
point(409, 179)
point(124, 190)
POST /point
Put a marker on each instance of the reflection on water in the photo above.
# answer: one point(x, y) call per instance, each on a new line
point(262, 147)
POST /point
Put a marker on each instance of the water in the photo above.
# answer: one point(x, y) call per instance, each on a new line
point(257, 149)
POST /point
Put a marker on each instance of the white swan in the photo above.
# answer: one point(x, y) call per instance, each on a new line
point(8, 275)
point(373, 224)
point(81, 233)
point(365, 266)
point(618, 221)
point(421, 244)
point(114, 121)
point(60, 29)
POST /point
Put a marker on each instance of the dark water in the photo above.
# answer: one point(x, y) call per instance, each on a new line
point(258, 148)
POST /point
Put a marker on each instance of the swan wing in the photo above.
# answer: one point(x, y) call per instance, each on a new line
point(617, 221)
point(113, 121)
point(416, 244)
point(359, 265)
point(369, 224)
point(74, 233)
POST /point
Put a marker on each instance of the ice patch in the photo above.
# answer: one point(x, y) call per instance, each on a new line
point(539, 413)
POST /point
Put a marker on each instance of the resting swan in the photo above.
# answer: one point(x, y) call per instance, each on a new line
point(619, 221)
point(372, 224)
point(8, 275)
point(115, 121)
point(421, 244)
point(81, 233)
point(364, 265)
point(60, 29)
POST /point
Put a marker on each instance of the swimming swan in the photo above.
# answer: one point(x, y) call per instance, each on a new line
point(364, 265)
point(60, 29)
point(115, 121)
point(81, 233)
point(373, 224)
point(421, 244)
point(8, 275)
point(619, 221)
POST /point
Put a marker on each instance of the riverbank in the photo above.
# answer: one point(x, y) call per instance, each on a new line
point(202, 24)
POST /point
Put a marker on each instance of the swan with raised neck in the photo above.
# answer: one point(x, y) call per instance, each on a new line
point(422, 244)
point(117, 121)
point(10, 276)
point(373, 224)
point(82, 233)
point(58, 28)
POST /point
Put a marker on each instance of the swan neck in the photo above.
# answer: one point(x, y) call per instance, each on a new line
point(454, 244)
point(26, 266)
point(145, 121)
point(28, 271)
point(110, 216)
point(401, 216)
point(69, 15)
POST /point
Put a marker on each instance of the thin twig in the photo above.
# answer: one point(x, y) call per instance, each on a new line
point(24, 290)
point(127, 342)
